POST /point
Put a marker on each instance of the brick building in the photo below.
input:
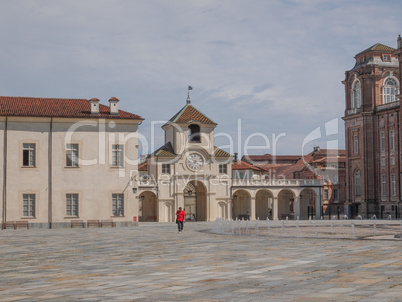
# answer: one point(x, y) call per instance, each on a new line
point(373, 132)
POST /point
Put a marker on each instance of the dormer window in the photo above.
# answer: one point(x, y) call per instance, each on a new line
point(194, 135)
point(386, 58)
point(361, 60)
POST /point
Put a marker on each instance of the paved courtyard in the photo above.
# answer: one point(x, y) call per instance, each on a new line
point(152, 262)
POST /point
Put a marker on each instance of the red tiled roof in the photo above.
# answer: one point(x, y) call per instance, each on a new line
point(270, 157)
point(189, 114)
point(221, 153)
point(53, 107)
point(242, 165)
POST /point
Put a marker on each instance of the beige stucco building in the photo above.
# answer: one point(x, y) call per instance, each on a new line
point(65, 160)
point(72, 162)
point(189, 171)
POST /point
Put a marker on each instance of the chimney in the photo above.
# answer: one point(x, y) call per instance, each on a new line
point(235, 157)
point(114, 108)
point(94, 102)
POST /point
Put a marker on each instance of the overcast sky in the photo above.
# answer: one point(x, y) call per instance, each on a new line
point(266, 71)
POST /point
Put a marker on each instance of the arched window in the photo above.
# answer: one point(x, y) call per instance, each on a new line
point(358, 185)
point(356, 95)
point(194, 135)
point(389, 91)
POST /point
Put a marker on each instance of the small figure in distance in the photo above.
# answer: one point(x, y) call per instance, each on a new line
point(180, 214)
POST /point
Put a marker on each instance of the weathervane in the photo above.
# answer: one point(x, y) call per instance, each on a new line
point(188, 94)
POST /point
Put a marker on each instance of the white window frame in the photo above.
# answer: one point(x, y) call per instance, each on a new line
point(118, 155)
point(72, 203)
point(382, 141)
point(390, 90)
point(29, 205)
point(356, 143)
point(392, 140)
point(72, 155)
point(223, 169)
point(393, 185)
point(356, 100)
point(117, 204)
point(166, 168)
point(383, 185)
point(29, 154)
point(357, 182)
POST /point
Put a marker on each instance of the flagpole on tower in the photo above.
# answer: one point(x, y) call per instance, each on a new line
point(188, 95)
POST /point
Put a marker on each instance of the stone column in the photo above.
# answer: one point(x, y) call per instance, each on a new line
point(252, 208)
point(275, 210)
point(297, 206)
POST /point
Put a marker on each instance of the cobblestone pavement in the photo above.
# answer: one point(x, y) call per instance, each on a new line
point(152, 262)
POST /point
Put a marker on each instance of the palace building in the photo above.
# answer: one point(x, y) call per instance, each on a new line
point(373, 132)
point(189, 171)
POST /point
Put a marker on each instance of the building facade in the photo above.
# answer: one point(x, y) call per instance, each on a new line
point(189, 171)
point(373, 132)
point(67, 160)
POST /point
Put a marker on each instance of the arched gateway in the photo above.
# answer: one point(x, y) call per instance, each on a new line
point(195, 202)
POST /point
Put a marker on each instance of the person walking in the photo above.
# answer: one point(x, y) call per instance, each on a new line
point(180, 214)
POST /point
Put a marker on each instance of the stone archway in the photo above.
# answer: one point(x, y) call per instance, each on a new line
point(195, 201)
point(264, 204)
point(148, 207)
point(286, 204)
point(241, 204)
point(307, 203)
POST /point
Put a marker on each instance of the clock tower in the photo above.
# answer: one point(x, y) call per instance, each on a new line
point(189, 171)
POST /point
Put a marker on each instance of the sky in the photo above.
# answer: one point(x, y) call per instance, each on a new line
point(268, 72)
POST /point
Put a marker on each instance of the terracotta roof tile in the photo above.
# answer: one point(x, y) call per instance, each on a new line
point(377, 47)
point(165, 151)
point(242, 165)
point(221, 153)
point(54, 107)
point(189, 114)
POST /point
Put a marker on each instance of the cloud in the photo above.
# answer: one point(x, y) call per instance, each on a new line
point(277, 65)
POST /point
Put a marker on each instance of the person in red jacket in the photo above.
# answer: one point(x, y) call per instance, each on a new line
point(180, 219)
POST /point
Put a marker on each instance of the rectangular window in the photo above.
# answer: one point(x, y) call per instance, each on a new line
point(166, 168)
point(72, 155)
point(355, 144)
point(392, 140)
point(336, 194)
point(223, 168)
point(117, 155)
point(393, 185)
point(72, 205)
point(28, 155)
point(382, 141)
point(28, 206)
point(383, 185)
point(117, 204)
point(382, 161)
point(392, 161)
point(325, 194)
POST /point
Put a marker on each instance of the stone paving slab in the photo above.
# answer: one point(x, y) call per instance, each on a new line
point(152, 262)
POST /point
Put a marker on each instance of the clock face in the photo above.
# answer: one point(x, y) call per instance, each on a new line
point(194, 161)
